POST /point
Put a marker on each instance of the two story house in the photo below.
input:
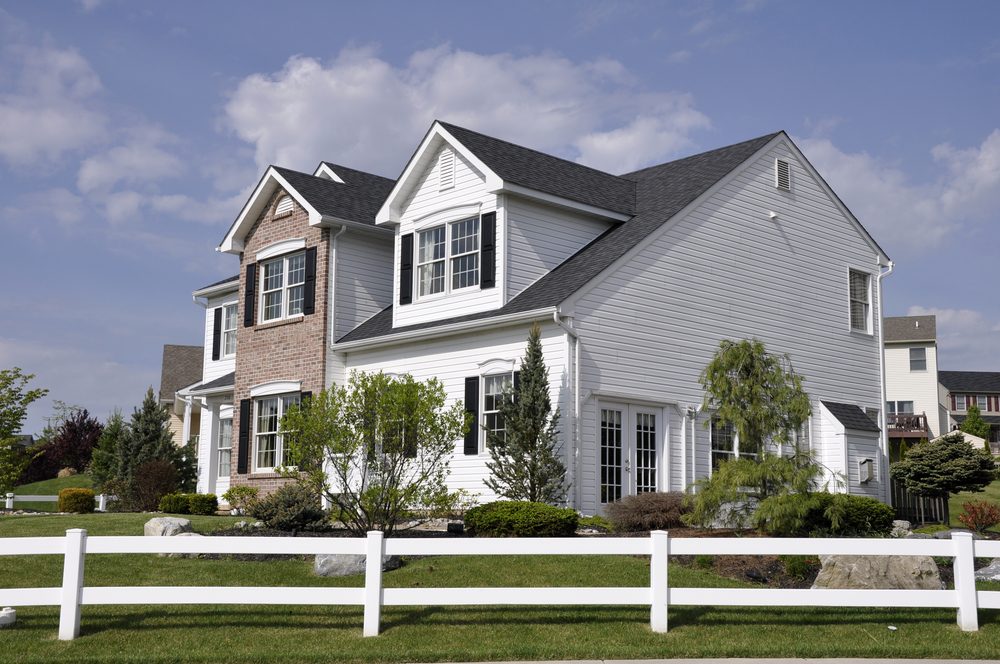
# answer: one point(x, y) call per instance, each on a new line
point(913, 409)
point(960, 389)
point(634, 279)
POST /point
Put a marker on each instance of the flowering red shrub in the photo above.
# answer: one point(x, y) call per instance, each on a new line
point(978, 515)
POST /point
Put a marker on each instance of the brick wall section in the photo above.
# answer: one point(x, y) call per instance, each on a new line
point(293, 350)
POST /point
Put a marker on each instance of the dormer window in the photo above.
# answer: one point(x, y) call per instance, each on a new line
point(452, 248)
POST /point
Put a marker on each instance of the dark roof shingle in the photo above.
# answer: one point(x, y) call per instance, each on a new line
point(357, 199)
point(910, 328)
point(235, 278)
point(229, 380)
point(181, 366)
point(851, 416)
point(970, 381)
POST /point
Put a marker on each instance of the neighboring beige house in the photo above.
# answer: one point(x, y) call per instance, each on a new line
point(181, 367)
point(913, 411)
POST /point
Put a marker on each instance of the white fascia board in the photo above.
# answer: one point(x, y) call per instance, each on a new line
point(562, 202)
point(445, 330)
point(218, 289)
point(328, 221)
point(225, 389)
point(233, 242)
point(389, 212)
point(324, 171)
point(630, 255)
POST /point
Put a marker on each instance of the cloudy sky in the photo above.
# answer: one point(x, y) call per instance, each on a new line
point(131, 132)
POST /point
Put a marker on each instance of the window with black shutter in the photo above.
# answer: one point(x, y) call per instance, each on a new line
point(216, 333)
point(488, 251)
point(406, 269)
point(472, 407)
point(243, 453)
point(250, 296)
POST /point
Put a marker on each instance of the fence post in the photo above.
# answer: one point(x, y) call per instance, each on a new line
point(658, 580)
point(102, 503)
point(965, 582)
point(10, 501)
point(72, 586)
point(374, 552)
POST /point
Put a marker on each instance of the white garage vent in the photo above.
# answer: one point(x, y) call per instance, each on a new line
point(782, 175)
point(446, 169)
point(284, 206)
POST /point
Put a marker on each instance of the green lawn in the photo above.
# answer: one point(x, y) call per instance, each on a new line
point(417, 634)
point(958, 500)
point(50, 488)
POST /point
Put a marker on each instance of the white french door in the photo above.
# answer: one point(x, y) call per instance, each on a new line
point(629, 451)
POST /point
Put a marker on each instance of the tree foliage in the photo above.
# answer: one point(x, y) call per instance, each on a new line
point(525, 461)
point(974, 423)
point(107, 460)
point(70, 445)
point(14, 402)
point(945, 466)
point(376, 448)
point(755, 391)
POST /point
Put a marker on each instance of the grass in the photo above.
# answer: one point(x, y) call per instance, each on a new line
point(50, 488)
point(957, 501)
point(417, 634)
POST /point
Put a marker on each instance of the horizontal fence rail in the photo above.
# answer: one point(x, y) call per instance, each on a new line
point(659, 596)
point(11, 499)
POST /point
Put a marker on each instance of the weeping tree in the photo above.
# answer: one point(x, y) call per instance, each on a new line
point(376, 448)
point(525, 463)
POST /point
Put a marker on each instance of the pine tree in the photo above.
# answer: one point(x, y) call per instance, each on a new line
point(525, 461)
point(148, 437)
point(105, 465)
point(974, 423)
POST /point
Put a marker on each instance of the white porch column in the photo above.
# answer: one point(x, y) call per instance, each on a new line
point(186, 428)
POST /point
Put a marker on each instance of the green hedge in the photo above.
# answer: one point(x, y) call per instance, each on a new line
point(189, 503)
point(824, 514)
point(76, 500)
point(509, 518)
point(175, 503)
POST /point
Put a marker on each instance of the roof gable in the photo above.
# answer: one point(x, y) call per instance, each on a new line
point(910, 328)
point(851, 416)
point(181, 366)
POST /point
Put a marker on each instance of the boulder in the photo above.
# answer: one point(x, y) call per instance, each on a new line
point(166, 526)
point(900, 529)
point(346, 564)
point(989, 573)
point(8, 617)
point(882, 572)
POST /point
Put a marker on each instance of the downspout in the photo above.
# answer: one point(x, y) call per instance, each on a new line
point(572, 335)
point(883, 435)
point(684, 445)
point(694, 446)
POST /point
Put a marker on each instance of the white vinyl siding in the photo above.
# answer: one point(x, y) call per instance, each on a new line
point(362, 279)
point(212, 369)
point(726, 271)
point(920, 387)
point(540, 237)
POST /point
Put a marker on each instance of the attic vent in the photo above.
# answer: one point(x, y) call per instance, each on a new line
point(284, 206)
point(446, 169)
point(782, 175)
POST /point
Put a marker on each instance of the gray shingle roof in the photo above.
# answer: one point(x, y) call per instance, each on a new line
point(851, 416)
point(181, 366)
point(989, 419)
point(549, 174)
point(662, 191)
point(235, 278)
point(229, 380)
point(357, 199)
point(910, 328)
point(970, 381)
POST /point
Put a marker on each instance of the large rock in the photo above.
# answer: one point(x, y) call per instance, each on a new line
point(346, 564)
point(900, 528)
point(166, 526)
point(883, 572)
point(989, 573)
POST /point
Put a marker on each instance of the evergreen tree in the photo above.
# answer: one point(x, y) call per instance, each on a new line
point(148, 437)
point(525, 461)
point(106, 463)
point(948, 465)
point(974, 423)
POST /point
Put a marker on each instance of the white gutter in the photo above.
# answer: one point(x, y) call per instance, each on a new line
point(884, 435)
point(571, 334)
point(357, 225)
point(694, 447)
point(217, 289)
point(445, 330)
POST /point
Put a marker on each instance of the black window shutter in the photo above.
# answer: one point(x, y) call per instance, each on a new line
point(243, 454)
point(309, 298)
point(488, 251)
point(216, 333)
point(305, 398)
point(517, 381)
point(406, 269)
point(472, 407)
point(249, 295)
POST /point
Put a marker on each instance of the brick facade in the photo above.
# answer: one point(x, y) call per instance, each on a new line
point(293, 350)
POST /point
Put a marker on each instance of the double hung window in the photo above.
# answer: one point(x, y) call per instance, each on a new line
point(726, 444)
point(959, 402)
point(981, 402)
point(229, 330)
point(494, 387)
point(224, 445)
point(918, 359)
point(448, 257)
point(269, 441)
point(860, 294)
point(283, 287)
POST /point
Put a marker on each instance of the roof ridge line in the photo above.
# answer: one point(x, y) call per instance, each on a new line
point(701, 154)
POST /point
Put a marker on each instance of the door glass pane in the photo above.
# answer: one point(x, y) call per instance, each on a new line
point(611, 455)
point(645, 452)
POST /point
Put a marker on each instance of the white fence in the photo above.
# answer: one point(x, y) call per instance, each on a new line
point(12, 499)
point(659, 596)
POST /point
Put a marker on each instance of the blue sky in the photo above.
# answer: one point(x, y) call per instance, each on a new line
point(131, 132)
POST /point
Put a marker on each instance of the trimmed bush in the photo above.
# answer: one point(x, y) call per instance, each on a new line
point(80, 501)
point(291, 508)
point(822, 514)
point(241, 497)
point(862, 516)
point(175, 503)
point(514, 518)
point(648, 511)
point(153, 480)
point(202, 503)
point(978, 515)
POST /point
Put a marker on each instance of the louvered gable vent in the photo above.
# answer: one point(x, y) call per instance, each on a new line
point(446, 169)
point(284, 206)
point(782, 175)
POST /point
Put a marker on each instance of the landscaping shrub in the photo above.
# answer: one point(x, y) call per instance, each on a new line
point(241, 497)
point(978, 515)
point(202, 503)
point(80, 501)
point(800, 567)
point(648, 511)
point(153, 480)
point(820, 514)
point(291, 508)
point(175, 503)
point(511, 518)
point(596, 522)
point(859, 516)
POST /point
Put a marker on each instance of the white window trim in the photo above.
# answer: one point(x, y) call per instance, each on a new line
point(219, 449)
point(282, 247)
point(483, 449)
point(911, 358)
point(279, 440)
point(275, 387)
point(285, 288)
point(961, 402)
point(871, 305)
point(224, 355)
point(985, 406)
point(448, 256)
point(447, 215)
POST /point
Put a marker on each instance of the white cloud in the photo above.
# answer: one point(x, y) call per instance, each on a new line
point(911, 216)
point(123, 206)
point(38, 209)
point(49, 109)
point(142, 158)
point(679, 57)
point(362, 111)
point(968, 339)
